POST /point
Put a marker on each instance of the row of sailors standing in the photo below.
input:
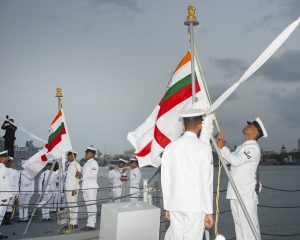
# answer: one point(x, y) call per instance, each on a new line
point(15, 184)
point(120, 176)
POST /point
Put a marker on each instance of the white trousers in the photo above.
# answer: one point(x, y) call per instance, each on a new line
point(90, 197)
point(47, 198)
point(186, 226)
point(242, 228)
point(3, 208)
point(23, 208)
point(117, 192)
point(73, 207)
point(135, 194)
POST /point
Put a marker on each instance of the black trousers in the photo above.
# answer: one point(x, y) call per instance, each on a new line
point(9, 146)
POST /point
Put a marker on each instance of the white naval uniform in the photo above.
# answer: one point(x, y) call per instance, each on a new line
point(4, 187)
point(187, 183)
point(89, 190)
point(244, 162)
point(118, 185)
point(26, 191)
point(14, 187)
point(135, 178)
point(72, 184)
point(47, 186)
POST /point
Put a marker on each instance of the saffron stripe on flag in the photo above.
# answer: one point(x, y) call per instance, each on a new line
point(185, 60)
point(59, 114)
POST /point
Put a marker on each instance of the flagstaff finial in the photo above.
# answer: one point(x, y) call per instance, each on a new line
point(191, 18)
point(59, 92)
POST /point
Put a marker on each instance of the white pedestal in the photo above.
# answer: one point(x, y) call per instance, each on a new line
point(129, 221)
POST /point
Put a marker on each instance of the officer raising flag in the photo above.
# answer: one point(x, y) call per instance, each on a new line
point(244, 162)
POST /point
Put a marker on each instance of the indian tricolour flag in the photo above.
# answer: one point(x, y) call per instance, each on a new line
point(58, 144)
point(164, 124)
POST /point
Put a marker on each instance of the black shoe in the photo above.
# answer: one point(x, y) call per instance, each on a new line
point(73, 226)
point(6, 223)
point(49, 219)
point(87, 228)
point(44, 219)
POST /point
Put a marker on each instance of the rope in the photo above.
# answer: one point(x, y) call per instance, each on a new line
point(218, 128)
point(281, 190)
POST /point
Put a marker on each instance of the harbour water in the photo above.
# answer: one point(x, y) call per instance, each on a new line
point(275, 221)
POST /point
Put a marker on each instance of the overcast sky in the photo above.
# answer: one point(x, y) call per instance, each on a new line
point(114, 58)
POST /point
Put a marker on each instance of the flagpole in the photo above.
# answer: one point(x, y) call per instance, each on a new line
point(191, 21)
point(60, 169)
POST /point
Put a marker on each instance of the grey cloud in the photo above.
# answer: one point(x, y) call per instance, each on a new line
point(127, 4)
point(287, 106)
point(216, 91)
point(284, 68)
point(287, 8)
point(231, 66)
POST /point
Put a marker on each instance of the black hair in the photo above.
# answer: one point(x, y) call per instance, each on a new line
point(70, 153)
point(192, 122)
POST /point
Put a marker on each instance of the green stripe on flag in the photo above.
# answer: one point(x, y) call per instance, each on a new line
point(187, 80)
point(57, 132)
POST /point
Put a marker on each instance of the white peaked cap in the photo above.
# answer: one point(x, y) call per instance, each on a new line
point(192, 112)
point(91, 149)
point(123, 160)
point(258, 120)
point(72, 151)
point(133, 159)
point(4, 153)
point(220, 237)
point(260, 127)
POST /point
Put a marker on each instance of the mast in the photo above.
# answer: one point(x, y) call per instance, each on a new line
point(191, 21)
point(59, 97)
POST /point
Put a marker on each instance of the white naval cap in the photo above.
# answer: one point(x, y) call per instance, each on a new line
point(91, 149)
point(260, 127)
point(4, 154)
point(72, 151)
point(193, 112)
point(133, 159)
point(123, 160)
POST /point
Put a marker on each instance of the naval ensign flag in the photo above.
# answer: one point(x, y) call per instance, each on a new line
point(58, 144)
point(164, 125)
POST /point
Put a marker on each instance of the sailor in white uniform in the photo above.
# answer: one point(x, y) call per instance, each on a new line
point(47, 187)
point(26, 188)
point(90, 187)
point(14, 187)
point(72, 187)
point(244, 162)
point(135, 179)
point(187, 179)
point(119, 177)
point(4, 184)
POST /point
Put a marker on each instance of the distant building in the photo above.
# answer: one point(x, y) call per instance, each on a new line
point(283, 149)
point(25, 152)
point(298, 144)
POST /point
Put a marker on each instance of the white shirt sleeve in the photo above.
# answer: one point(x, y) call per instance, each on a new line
point(165, 178)
point(207, 129)
point(208, 176)
point(245, 155)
